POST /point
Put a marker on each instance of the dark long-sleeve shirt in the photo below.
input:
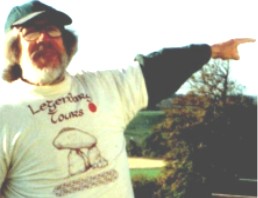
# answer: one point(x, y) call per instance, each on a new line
point(166, 70)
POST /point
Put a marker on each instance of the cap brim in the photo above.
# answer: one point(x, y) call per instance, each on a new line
point(56, 17)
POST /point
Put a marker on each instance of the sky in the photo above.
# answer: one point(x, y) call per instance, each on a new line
point(112, 32)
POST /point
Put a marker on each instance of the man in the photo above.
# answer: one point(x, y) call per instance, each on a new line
point(62, 135)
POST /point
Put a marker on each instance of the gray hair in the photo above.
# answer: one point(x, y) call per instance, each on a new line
point(12, 70)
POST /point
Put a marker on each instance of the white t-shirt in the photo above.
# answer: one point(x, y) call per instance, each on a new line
point(67, 140)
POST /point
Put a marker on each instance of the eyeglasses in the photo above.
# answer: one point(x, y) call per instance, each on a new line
point(33, 33)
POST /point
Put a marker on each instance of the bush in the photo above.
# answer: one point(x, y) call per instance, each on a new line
point(145, 187)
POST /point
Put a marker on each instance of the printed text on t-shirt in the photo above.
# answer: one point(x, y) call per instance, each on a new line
point(51, 106)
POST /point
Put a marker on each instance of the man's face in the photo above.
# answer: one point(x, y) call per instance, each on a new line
point(42, 51)
point(43, 45)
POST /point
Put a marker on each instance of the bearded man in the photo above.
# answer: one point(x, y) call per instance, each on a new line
point(61, 135)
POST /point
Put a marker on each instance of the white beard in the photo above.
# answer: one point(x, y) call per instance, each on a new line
point(42, 76)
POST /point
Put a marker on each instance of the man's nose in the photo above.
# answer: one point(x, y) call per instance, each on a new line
point(44, 36)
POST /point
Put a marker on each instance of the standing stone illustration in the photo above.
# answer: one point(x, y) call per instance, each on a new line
point(83, 152)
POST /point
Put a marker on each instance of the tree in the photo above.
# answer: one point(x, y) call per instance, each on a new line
point(197, 131)
point(133, 148)
point(213, 83)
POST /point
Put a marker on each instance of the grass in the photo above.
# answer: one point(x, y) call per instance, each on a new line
point(142, 125)
point(140, 128)
point(147, 172)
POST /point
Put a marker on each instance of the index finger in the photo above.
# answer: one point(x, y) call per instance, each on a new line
point(244, 40)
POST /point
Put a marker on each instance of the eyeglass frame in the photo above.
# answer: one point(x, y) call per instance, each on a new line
point(39, 30)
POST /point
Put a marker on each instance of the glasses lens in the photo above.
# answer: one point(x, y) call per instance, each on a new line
point(53, 31)
point(31, 33)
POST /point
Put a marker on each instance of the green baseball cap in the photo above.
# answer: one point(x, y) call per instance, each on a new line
point(28, 12)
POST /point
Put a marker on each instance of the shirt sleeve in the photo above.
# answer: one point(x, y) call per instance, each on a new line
point(126, 87)
point(133, 92)
point(166, 70)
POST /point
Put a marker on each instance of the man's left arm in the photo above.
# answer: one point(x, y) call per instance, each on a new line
point(166, 70)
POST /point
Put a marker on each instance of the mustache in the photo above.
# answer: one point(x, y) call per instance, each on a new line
point(42, 48)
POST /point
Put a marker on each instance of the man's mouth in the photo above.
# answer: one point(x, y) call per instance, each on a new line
point(45, 56)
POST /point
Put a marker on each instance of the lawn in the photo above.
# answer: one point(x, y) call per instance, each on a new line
point(142, 125)
point(147, 172)
point(150, 168)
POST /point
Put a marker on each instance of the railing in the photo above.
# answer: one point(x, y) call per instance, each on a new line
point(244, 188)
point(215, 195)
